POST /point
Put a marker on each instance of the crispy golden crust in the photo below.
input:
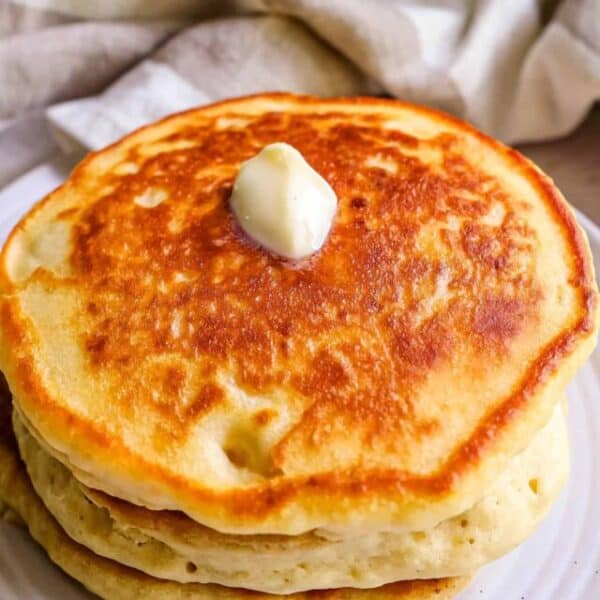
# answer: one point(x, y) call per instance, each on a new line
point(372, 361)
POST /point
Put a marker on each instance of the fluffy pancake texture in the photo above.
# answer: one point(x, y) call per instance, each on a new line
point(385, 382)
point(113, 581)
point(171, 546)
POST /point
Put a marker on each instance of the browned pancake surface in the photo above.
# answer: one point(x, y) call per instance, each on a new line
point(393, 360)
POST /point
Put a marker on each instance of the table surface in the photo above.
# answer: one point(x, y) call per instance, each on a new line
point(574, 164)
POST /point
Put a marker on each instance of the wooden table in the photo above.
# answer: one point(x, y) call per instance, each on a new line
point(574, 164)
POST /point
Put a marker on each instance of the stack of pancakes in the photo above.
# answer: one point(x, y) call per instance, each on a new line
point(197, 417)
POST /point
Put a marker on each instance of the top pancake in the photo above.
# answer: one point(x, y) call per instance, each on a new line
point(385, 381)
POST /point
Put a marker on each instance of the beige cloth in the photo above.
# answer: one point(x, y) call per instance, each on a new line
point(521, 70)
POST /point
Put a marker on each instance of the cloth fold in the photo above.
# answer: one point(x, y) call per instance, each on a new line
point(201, 65)
point(521, 71)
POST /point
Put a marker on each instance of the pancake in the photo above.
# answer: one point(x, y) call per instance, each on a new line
point(385, 382)
point(171, 546)
point(113, 581)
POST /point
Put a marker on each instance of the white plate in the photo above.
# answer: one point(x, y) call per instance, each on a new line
point(561, 561)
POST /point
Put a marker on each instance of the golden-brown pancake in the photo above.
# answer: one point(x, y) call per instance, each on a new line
point(383, 383)
point(113, 581)
point(168, 545)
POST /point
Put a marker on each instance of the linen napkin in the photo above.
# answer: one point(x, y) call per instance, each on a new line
point(520, 70)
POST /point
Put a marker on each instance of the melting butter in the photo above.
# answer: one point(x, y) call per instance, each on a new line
point(283, 203)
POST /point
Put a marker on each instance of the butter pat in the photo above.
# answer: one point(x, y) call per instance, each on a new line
point(283, 203)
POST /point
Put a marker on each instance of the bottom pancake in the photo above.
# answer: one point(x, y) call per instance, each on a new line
point(171, 546)
point(113, 581)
